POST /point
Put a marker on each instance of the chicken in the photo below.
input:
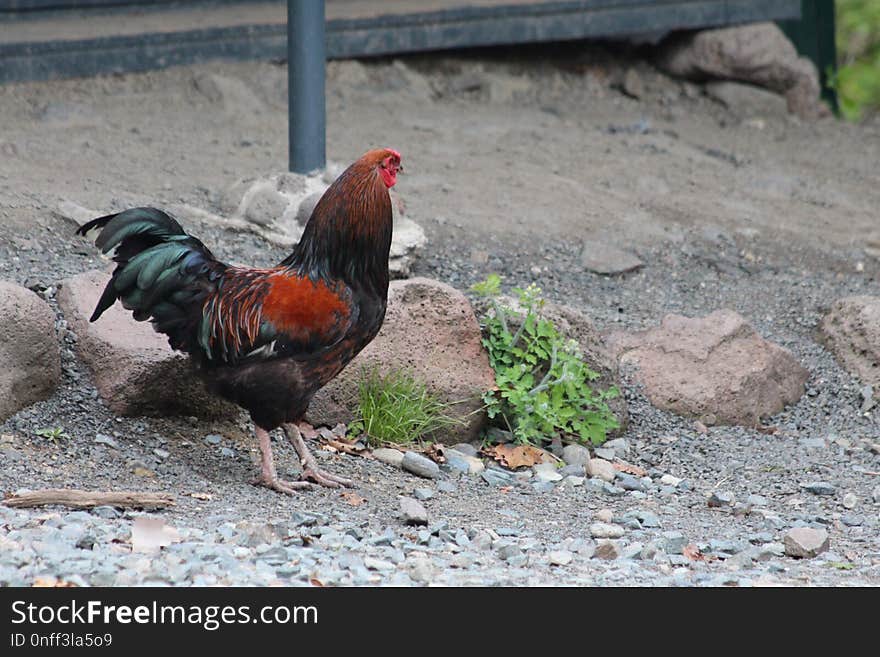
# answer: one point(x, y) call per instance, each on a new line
point(265, 339)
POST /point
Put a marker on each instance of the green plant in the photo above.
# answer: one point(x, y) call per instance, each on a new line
point(397, 408)
point(542, 382)
point(54, 434)
point(858, 46)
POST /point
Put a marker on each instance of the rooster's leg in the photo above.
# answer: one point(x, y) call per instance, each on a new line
point(310, 469)
point(268, 477)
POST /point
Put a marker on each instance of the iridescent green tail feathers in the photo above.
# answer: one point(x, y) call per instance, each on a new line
point(162, 274)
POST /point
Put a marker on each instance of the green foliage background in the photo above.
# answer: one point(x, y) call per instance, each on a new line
point(858, 57)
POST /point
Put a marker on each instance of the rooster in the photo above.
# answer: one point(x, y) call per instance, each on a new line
point(265, 339)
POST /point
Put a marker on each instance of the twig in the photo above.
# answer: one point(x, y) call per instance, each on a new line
point(85, 499)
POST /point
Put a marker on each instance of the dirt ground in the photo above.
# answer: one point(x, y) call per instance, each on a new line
point(513, 161)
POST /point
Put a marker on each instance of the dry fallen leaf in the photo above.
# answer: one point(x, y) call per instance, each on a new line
point(51, 582)
point(202, 496)
point(693, 553)
point(314, 581)
point(629, 468)
point(770, 431)
point(151, 534)
point(352, 498)
point(355, 449)
point(515, 456)
point(436, 452)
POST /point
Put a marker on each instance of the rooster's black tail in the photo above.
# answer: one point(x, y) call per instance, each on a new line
point(162, 273)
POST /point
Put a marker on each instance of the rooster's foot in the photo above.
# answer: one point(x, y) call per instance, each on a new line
point(310, 470)
point(280, 485)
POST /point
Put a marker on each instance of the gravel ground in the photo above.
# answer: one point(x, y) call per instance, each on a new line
point(712, 235)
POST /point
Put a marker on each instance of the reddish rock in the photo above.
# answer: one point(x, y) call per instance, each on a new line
point(30, 362)
point(431, 332)
point(716, 368)
point(758, 53)
point(134, 369)
point(851, 331)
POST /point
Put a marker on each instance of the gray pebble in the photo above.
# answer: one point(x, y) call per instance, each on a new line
point(420, 465)
point(412, 511)
point(106, 512)
point(674, 542)
point(446, 487)
point(819, 488)
point(721, 498)
point(423, 493)
point(213, 439)
point(576, 455)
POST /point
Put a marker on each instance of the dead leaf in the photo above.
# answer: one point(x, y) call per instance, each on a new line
point(505, 489)
point(629, 468)
point(515, 456)
point(335, 445)
point(151, 534)
point(436, 452)
point(51, 582)
point(202, 496)
point(314, 581)
point(353, 498)
point(770, 430)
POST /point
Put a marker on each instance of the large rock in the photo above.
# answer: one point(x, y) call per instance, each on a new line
point(30, 362)
point(430, 331)
point(716, 368)
point(758, 53)
point(134, 369)
point(851, 331)
point(279, 206)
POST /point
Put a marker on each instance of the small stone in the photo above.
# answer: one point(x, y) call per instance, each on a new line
point(606, 530)
point(605, 453)
point(875, 494)
point(547, 472)
point(103, 439)
point(601, 469)
point(769, 551)
point(495, 477)
point(423, 494)
point(227, 452)
point(632, 84)
point(542, 486)
point(87, 542)
point(106, 512)
point(571, 480)
point(213, 439)
point(507, 550)
point(475, 465)
point(669, 480)
point(605, 515)
point(852, 519)
point(605, 259)
point(648, 519)
point(721, 498)
point(756, 500)
point(629, 482)
point(850, 500)
point(456, 462)
point(619, 445)
point(607, 550)
point(373, 563)
point(559, 557)
point(575, 455)
point(465, 448)
point(412, 511)
point(446, 487)
point(819, 488)
point(162, 453)
point(812, 443)
point(805, 542)
point(420, 465)
point(388, 456)
point(674, 542)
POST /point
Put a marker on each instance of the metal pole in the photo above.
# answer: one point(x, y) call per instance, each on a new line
point(306, 62)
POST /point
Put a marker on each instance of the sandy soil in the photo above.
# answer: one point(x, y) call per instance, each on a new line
point(513, 161)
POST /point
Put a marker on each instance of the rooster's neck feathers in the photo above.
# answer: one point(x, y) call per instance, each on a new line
point(348, 235)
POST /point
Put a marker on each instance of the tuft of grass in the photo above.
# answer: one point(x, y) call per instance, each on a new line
point(53, 434)
point(397, 408)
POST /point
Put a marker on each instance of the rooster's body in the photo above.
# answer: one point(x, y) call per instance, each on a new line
point(265, 339)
